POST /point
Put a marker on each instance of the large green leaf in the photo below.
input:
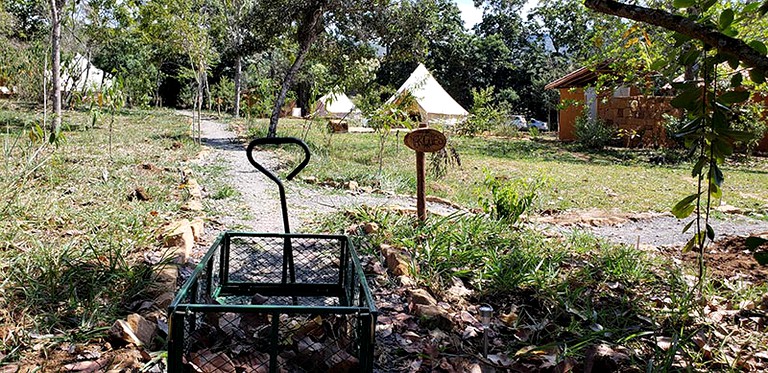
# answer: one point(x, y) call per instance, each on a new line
point(689, 245)
point(726, 19)
point(689, 225)
point(732, 32)
point(738, 135)
point(659, 64)
point(717, 175)
point(732, 97)
point(710, 232)
point(758, 46)
point(715, 191)
point(721, 148)
point(685, 207)
point(696, 171)
point(753, 242)
point(737, 78)
point(761, 257)
point(689, 58)
point(757, 76)
point(687, 99)
point(683, 3)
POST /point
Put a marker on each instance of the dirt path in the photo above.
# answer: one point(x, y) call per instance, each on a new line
point(259, 195)
point(261, 206)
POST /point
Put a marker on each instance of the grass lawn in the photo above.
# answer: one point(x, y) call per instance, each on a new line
point(630, 180)
point(71, 239)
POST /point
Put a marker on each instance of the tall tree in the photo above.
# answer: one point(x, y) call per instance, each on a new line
point(311, 18)
point(242, 28)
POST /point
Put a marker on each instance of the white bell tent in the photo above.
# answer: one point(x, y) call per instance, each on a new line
point(433, 103)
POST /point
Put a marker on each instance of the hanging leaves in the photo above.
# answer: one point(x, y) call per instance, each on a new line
point(685, 207)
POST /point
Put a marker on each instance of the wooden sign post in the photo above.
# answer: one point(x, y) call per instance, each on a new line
point(423, 140)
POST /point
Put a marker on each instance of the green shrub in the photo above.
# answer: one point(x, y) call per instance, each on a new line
point(672, 125)
point(223, 94)
point(484, 115)
point(592, 133)
point(509, 199)
point(534, 132)
point(749, 118)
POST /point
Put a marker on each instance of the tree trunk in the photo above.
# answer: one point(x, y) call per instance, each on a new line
point(302, 97)
point(708, 35)
point(158, 82)
point(56, 13)
point(238, 86)
point(308, 31)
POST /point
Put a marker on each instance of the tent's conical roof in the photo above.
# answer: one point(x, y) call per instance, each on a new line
point(337, 103)
point(429, 94)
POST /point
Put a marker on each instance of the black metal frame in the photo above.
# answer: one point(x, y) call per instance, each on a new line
point(185, 306)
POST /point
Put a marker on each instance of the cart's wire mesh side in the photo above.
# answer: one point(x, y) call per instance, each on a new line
point(232, 317)
point(293, 342)
point(259, 259)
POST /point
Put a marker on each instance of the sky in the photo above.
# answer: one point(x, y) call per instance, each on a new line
point(472, 15)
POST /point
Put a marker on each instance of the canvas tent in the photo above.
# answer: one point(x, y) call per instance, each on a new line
point(337, 105)
point(80, 75)
point(433, 103)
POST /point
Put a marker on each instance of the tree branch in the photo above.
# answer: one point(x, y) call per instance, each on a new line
point(726, 45)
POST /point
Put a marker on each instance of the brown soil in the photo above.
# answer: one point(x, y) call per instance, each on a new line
point(730, 258)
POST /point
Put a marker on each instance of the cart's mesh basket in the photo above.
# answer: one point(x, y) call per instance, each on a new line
point(274, 303)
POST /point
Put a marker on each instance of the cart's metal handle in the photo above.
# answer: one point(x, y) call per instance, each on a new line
point(277, 141)
point(289, 271)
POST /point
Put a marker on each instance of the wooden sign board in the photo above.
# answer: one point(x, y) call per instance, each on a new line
point(426, 140)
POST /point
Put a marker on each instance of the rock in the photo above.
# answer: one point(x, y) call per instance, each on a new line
point(406, 282)
point(728, 209)
point(370, 228)
point(142, 328)
point(164, 300)
point(192, 205)
point(457, 293)
point(422, 297)
point(198, 228)
point(352, 185)
point(432, 316)
point(180, 234)
point(122, 333)
point(166, 280)
point(397, 260)
point(194, 188)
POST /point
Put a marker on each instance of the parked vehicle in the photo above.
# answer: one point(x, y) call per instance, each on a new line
point(518, 121)
point(542, 126)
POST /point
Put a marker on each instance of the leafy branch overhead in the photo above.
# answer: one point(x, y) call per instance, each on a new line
point(720, 36)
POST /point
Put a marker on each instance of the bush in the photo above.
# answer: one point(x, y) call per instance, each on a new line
point(223, 94)
point(484, 115)
point(748, 118)
point(592, 133)
point(672, 125)
point(509, 199)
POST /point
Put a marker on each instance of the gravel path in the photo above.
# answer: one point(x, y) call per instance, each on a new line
point(259, 198)
point(259, 195)
point(667, 230)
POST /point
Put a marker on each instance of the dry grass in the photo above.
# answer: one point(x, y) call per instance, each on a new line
point(71, 239)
